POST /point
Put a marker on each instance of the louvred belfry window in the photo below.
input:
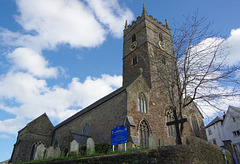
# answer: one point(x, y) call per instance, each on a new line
point(133, 37)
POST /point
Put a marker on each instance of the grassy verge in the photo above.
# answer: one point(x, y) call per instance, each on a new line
point(75, 156)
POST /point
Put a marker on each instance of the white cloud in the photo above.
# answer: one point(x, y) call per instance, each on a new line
point(221, 103)
point(234, 43)
point(60, 21)
point(20, 86)
point(46, 25)
point(12, 126)
point(31, 97)
point(4, 136)
point(111, 14)
point(32, 62)
point(93, 88)
point(79, 24)
point(214, 86)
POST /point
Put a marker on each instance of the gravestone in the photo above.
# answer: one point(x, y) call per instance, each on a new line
point(90, 146)
point(161, 142)
point(49, 153)
point(121, 147)
point(153, 142)
point(57, 152)
point(74, 147)
point(40, 150)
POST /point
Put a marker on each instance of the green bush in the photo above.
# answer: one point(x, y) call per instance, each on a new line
point(102, 148)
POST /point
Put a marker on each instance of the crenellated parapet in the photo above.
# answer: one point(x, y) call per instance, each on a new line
point(149, 18)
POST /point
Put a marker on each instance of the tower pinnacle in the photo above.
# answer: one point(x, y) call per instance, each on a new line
point(144, 10)
point(126, 25)
point(166, 23)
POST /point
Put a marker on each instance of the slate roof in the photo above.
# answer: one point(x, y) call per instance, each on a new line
point(217, 119)
point(92, 106)
point(81, 139)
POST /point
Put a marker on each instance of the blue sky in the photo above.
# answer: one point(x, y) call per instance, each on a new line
point(60, 56)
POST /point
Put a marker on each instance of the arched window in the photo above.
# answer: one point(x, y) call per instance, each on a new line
point(143, 133)
point(142, 103)
point(170, 117)
point(133, 38)
point(195, 126)
point(86, 130)
point(34, 148)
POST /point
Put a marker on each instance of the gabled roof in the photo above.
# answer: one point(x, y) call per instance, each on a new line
point(222, 119)
point(38, 120)
point(217, 119)
point(232, 112)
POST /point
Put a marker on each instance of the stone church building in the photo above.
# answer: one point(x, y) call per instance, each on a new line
point(138, 104)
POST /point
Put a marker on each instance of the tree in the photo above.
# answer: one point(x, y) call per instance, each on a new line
point(198, 69)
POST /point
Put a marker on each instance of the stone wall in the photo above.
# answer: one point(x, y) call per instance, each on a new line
point(197, 151)
point(38, 130)
point(191, 112)
point(205, 152)
point(155, 115)
point(101, 120)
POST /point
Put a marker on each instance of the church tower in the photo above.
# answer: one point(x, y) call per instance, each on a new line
point(147, 49)
point(144, 39)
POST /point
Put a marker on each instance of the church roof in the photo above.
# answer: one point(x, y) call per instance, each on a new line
point(38, 120)
point(217, 119)
point(234, 108)
point(81, 139)
point(92, 106)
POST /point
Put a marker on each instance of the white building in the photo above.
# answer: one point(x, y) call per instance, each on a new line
point(225, 128)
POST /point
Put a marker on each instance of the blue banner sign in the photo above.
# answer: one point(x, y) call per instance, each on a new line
point(119, 135)
point(223, 152)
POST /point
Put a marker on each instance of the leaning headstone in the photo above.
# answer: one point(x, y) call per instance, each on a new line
point(90, 146)
point(57, 152)
point(40, 150)
point(74, 147)
point(49, 152)
point(153, 142)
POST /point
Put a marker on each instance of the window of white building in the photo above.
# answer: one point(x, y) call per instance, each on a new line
point(236, 133)
point(209, 131)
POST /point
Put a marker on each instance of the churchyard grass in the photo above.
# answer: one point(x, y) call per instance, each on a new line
point(75, 156)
